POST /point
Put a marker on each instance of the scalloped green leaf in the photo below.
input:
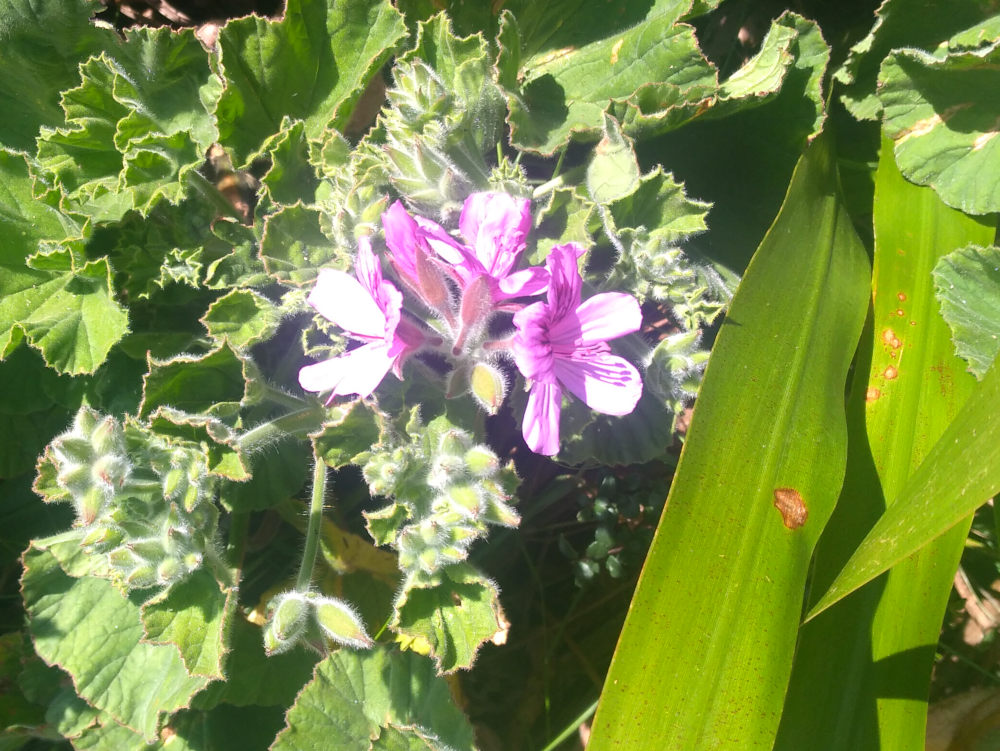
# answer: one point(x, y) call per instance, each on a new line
point(194, 383)
point(294, 248)
point(223, 454)
point(355, 696)
point(453, 619)
point(67, 312)
point(291, 177)
point(944, 118)
point(350, 429)
point(967, 286)
point(312, 65)
point(563, 93)
point(135, 125)
point(43, 43)
point(253, 678)
point(242, 317)
point(192, 615)
point(900, 23)
point(85, 625)
point(278, 474)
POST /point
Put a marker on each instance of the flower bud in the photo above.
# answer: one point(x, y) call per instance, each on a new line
point(74, 477)
point(175, 482)
point(466, 498)
point(481, 461)
point(498, 512)
point(169, 571)
point(107, 438)
point(89, 505)
point(110, 471)
point(488, 386)
point(287, 623)
point(85, 421)
point(338, 621)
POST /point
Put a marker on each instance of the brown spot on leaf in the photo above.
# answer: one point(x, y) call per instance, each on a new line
point(615, 50)
point(793, 511)
point(901, 296)
point(900, 312)
point(890, 373)
point(872, 394)
point(890, 339)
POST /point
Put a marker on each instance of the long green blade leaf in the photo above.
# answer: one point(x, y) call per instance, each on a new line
point(706, 651)
point(960, 473)
point(908, 386)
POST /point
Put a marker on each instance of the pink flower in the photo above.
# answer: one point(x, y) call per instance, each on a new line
point(494, 225)
point(368, 308)
point(562, 343)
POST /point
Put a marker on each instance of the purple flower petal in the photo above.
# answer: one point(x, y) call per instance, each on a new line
point(541, 418)
point(530, 281)
point(495, 225)
point(357, 372)
point(601, 317)
point(401, 234)
point(605, 382)
point(564, 279)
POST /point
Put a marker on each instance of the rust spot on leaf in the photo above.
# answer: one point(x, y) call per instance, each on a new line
point(615, 50)
point(900, 312)
point(872, 394)
point(890, 373)
point(890, 339)
point(789, 502)
point(901, 296)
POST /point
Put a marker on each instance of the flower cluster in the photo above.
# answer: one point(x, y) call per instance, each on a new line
point(559, 344)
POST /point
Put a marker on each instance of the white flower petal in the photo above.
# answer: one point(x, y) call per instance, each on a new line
point(359, 371)
point(342, 299)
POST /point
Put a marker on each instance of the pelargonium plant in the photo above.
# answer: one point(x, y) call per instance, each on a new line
point(267, 318)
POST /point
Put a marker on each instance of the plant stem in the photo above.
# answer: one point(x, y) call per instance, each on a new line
point(299, 423)
point(567, 179)
point(315, 524)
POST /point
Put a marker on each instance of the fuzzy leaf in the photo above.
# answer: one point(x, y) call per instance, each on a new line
point(312, 65)
point(900, 23)
point(354, 696)
point(294, 249)
point(291, 177)
point(613, 172)
point(350, 429)
point(967, 286)
point(191, 615)
point(242, 317)
point(43, 44)
point(84, 625)
point(223, 455)
point(194, 383)
point(134, 126)
point(944, 118)
point(278, 474)
point(564, 92)
point(454, 618)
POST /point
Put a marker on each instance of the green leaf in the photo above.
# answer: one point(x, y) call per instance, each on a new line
point(967, 285)
point(279, 473)
point(613, 172)
point(312, 65)
point(350, 429)
point(944, 121)
point(959, 474)
point(294, 248)
point(452, 619)
point(67, 312)
point(907, 387)
point(354, 696)
point(224, 457)
point(84, 625)
point(563, 93)
point(253, 678)
point(135, 125)
point(757, 481)
point(900, 23)
point(43, 44)
point(193, 616)
point(291, 178)
point(194, 383)
point(242, 317)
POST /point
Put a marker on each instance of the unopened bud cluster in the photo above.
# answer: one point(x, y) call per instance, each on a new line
point(438, 512)
point(144, 502)
point(308, 617)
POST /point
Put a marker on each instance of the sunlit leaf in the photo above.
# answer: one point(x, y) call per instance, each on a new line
point(967, 282)
point(762, 463)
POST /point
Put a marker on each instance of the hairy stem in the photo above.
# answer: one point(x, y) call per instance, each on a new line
point(299, 423)
point(315, 524)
